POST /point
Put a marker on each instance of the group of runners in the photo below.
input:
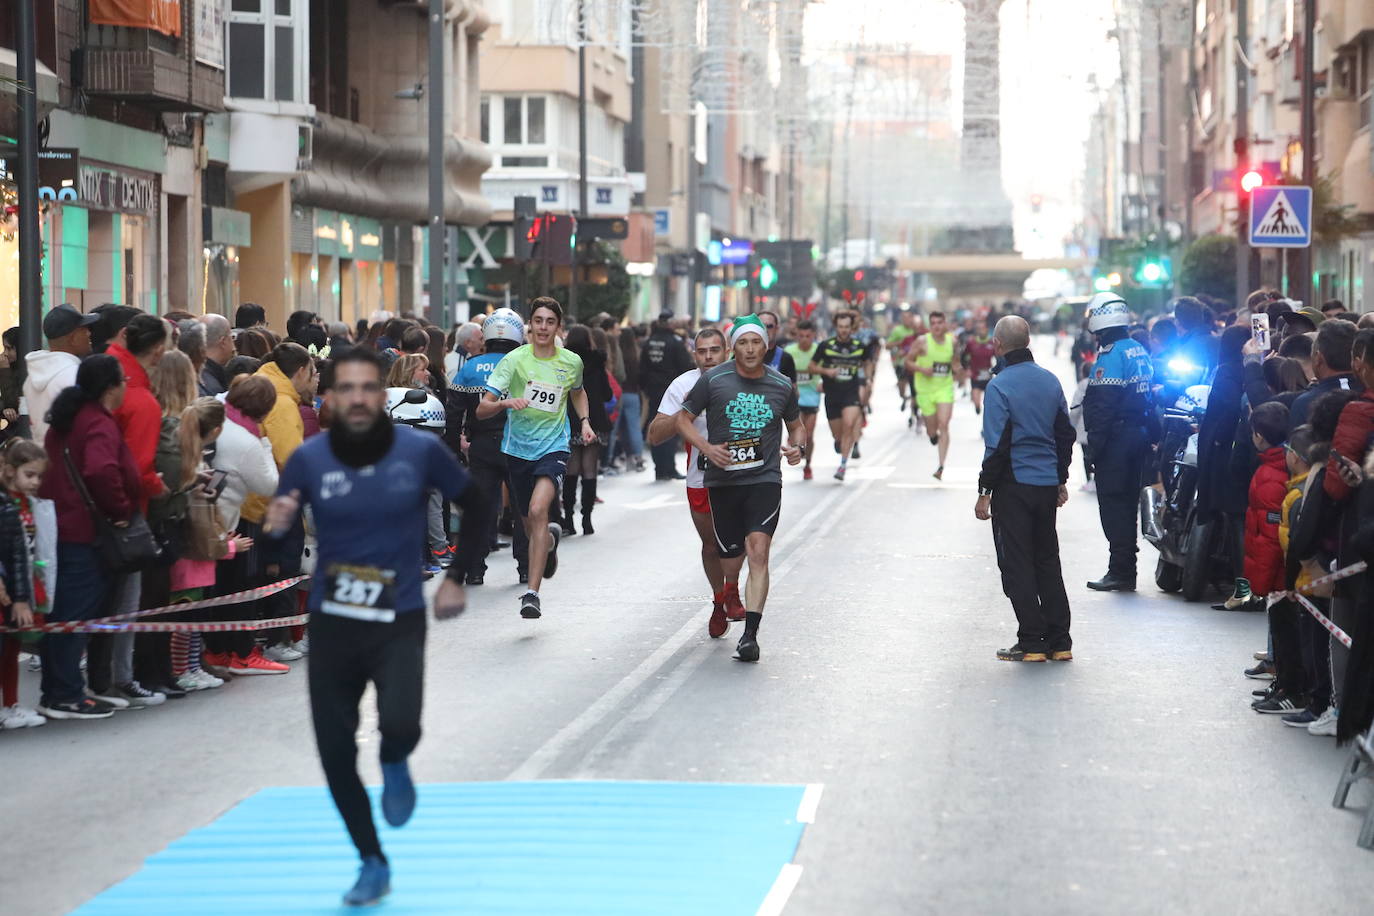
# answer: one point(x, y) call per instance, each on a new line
point(748, 404)
point(930, 362)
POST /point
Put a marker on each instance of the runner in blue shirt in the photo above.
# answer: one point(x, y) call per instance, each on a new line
point(367, 483)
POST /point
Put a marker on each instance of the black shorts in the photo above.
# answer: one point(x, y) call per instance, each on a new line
point(525, 474)
point(980, 384)
point(809, 410)
point(837, 401)
point(737, 512)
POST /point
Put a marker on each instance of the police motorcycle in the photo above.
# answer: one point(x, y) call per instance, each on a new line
point(415, 407)
point(1168, 517)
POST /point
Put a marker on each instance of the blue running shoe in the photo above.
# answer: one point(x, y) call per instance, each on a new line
point(374, 883)
point(398, 793)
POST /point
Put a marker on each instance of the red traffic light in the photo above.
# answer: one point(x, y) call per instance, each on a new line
point(1252, 179)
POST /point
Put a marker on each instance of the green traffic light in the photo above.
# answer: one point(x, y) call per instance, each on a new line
point(768, 275)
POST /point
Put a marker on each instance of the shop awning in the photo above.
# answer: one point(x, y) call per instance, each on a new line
point(9, 101)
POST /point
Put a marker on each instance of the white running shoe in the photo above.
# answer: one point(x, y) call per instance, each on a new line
point(207, 680)
point(1325, 726)
point(302, 645)
point(20, 717)
point(283, 654)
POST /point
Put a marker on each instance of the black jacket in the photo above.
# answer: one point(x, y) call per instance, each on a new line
point(662, 358)
point(1218, 489)
point(598, 389)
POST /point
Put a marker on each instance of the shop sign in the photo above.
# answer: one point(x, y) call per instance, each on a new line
point(327, 232)
point(367, 238)
point(58, 171)
point(107, 190)
point(481, 247)
point(210, 33)
point(228, 227)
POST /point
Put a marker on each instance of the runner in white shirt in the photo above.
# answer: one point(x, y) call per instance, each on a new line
point(709, 352)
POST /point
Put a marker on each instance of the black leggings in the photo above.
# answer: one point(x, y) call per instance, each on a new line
point(344, 655)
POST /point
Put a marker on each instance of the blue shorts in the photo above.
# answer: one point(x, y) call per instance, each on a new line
point(524, 474)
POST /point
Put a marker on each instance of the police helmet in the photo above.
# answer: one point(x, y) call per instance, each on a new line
point(504, 324)
point(1108, 310)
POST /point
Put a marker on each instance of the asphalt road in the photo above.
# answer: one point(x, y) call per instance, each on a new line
point(1133, 780)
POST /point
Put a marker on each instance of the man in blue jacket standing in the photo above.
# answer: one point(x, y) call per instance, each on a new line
point(1028, 445)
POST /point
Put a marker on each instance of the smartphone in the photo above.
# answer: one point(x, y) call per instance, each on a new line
point(1259, 330)
point(217, 481)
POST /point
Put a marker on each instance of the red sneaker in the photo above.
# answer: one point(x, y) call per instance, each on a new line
point(213, 660)
point(806, 472)
point(734, 608)
point(256, 663)
point(719, 624)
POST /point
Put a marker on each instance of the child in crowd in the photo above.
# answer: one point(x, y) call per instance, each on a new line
point(1264, 568)
point(1293, 682)
point(193, 575)
point(28, 531)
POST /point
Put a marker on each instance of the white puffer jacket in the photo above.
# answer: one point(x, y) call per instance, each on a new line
point(248, 461)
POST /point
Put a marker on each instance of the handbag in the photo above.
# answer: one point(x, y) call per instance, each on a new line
point(206, 538)
point(127, 549)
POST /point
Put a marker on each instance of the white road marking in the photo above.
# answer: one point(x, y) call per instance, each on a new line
point(811, 800)
point(661, 501)
point(590, 718)
point(782, 888)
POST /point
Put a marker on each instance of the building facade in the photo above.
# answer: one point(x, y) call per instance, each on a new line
point(124, 95)
point(327, 153)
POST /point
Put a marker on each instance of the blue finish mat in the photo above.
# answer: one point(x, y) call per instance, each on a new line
point(488, 847)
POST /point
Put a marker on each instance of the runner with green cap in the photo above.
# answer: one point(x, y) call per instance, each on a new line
point(746, 404)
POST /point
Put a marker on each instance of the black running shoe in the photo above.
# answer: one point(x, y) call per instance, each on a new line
point(85, 708)
point(935, 439)
point(551, 564)
point(1280, 704)
point(529, 606)
point(854, 455)
point(474, 579)
point(747, 650)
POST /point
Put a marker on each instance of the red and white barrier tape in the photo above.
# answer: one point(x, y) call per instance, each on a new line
point(123, 623)
point(1353, 569)
point(1322, 619)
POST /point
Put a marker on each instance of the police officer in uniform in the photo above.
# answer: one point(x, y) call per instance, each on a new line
point(1118, 415)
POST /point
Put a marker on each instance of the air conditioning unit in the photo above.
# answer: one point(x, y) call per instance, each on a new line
point(305, 146)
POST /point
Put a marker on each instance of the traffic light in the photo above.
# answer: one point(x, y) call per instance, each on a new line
point(552, 238)
point(766, 275)
point(791, 262)
point(1251, 179)
point(523, 227)
point(1153, 271)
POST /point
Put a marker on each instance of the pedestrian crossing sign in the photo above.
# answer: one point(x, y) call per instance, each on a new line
point(1281, 217)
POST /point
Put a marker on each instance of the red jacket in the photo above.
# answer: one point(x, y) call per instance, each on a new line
point(140, 419)
point(1353, 431)
point(103, 461)
point(1264, 565)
